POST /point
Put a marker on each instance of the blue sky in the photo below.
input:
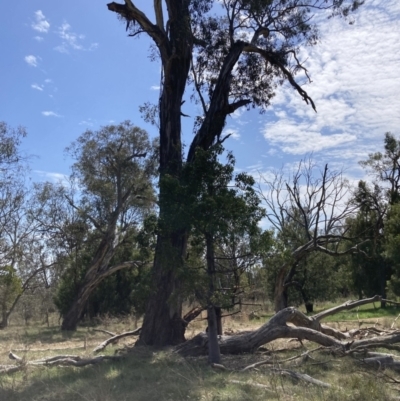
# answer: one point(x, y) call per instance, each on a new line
point(69, 66)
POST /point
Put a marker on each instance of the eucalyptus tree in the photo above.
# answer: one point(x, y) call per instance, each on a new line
point(114, 171)
point(231, 57)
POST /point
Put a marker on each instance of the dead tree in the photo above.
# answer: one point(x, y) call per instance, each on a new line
point(312, 204)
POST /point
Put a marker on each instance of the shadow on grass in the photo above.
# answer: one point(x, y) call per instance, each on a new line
point(145, 375)
point(46, 335)
point(142, 375)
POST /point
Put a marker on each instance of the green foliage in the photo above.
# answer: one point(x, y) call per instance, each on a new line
point(392, 245)
point(113, 165)
point(121, 293)
point(10, 287)
point(377, 222)
point(10, 139)
point(369, 268)
point(223, 211)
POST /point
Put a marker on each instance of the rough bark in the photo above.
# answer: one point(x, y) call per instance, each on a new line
point(163, 324)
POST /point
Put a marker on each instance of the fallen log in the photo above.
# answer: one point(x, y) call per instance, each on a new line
point(307, 328)
point(275, 328)
point(379, 361)
point(303, 377)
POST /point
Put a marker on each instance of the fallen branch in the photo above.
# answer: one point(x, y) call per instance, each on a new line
point(257, 364)
point(59, 360)
point(307, 328)
point(388, 301)
point(346, 306)
point(302, 376)
point(363, 348)
point(258, 385)
point(116, 338)
point(249, 342)
point(110, 333)
point(9, 368)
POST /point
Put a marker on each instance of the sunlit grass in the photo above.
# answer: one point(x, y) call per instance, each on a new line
point(146, 374)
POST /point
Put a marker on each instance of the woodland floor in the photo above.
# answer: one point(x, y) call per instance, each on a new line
point(145, 374)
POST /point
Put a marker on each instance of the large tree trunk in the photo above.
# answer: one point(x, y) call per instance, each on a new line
point(163, 324)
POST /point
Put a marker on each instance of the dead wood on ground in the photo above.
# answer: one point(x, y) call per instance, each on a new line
point(58, 360)
point(301, 327)
point(115, 338)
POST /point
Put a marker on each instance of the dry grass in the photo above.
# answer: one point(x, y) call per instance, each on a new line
point(149, 375)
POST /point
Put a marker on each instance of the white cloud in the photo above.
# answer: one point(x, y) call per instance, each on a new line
point(87, 122)
point(37, 87)
point(355, 86)
point(48, 81)
point(53, 177)
point(61, 48)
point(31, 60)
point(40, 24)
point(38, 38)
point(50, 114)
point(71, 40)
point(155, 88)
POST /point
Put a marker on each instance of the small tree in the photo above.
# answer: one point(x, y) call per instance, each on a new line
point(217, 209)
point(10, 288)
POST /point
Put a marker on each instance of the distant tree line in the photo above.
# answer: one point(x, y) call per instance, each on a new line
point(90, 240)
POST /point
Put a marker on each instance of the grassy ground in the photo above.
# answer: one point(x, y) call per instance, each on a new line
point(145, 374)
